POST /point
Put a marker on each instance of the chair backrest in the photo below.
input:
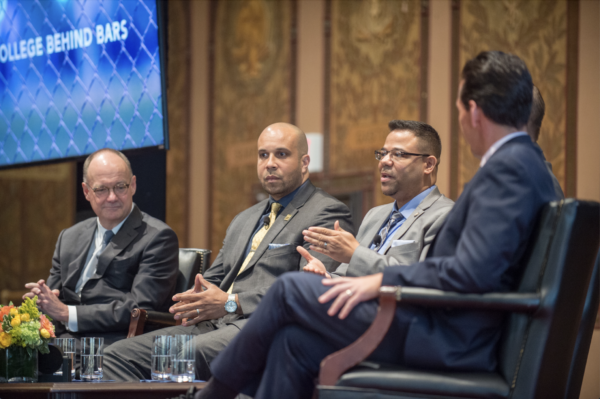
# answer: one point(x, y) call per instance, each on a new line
point(191, 262)
point(537, 350)
point(584, 337)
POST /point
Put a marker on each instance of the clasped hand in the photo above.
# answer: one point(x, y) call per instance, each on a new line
point(205, 301)
point(48, 300)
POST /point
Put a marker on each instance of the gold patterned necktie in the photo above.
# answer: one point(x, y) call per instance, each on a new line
point(258, 237)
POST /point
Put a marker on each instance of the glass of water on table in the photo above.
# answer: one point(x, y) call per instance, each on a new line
point(161, 358)
point(67, 345)
point(183, 355)
point(92, 351)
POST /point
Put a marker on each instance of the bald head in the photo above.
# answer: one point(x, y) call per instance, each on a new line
point(282, 159)
point(292, 131)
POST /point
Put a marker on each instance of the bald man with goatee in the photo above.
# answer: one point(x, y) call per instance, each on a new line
point(260, 245)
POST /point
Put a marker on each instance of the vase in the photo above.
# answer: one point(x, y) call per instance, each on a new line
point(18, 364)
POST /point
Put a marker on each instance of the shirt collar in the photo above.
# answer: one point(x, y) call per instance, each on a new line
point(285, 201)
point(497, 145)
point(408, 208)
point(101, 230)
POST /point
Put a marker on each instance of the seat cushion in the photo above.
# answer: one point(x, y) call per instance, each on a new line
point(444, 384)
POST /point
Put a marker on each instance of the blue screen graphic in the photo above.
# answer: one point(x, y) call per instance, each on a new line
point(77, 76)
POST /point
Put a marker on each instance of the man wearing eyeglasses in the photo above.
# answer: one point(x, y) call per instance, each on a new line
point(399, 233)
point(105, 266)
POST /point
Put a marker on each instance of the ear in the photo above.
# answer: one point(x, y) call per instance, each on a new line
point(430, 163)
point(305, 162)
point(86, 191)
point(475, 113)
point(133, 185)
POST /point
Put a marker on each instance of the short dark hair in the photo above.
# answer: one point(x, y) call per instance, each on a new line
point(538, 110)
point(429, 139)
point(501, 86)
point(89, 159)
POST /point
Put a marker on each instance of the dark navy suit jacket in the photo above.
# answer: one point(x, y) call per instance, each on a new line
point(479, 249)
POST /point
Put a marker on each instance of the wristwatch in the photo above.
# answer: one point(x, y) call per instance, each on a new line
point(231, 304)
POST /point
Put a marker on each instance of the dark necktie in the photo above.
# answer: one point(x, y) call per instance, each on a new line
point(395, 218)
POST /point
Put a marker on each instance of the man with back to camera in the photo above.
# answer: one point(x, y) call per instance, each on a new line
point(260, 245)
point(478, 250)
point(399, 233)
point(538, 110)
point(106, 266)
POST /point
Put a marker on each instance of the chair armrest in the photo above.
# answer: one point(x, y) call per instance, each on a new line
point(334, 365)
point(516, 302)
point(139, 318)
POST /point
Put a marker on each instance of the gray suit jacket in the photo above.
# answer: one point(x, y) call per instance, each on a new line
point(421, 227)
point(310, 207)
point(138, 268)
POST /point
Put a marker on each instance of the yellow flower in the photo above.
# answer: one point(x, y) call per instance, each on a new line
point(14, 312)
point(44, 333)
point(5, 340)
point(25, 318)
point(16, 321)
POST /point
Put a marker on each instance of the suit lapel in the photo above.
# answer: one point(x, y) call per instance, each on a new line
point(75, 267)
point(374, 224)
point(433, 196)
point(282, 220)
point(126, 234)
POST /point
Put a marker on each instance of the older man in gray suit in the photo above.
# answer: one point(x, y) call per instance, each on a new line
point(106, 266)
point(399, 233)
point(260, 245)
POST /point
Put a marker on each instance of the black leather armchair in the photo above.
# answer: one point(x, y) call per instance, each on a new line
point(191, 262)
point(538, 345)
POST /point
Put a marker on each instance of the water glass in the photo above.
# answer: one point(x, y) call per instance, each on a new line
point(183, 355)
point(67, 345)
point(161, 357)
point(92, 350)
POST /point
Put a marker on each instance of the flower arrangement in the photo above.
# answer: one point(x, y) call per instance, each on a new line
point(25, 327)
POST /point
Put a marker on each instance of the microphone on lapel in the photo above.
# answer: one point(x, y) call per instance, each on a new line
point(377, 240)
point(266, 221)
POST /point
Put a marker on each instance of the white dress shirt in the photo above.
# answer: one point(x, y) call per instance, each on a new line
point(497, 145)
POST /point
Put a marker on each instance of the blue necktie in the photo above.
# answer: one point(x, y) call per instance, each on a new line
point(395, 218)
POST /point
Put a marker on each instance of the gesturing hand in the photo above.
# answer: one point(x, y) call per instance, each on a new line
point(199, 305)
point(349, 292)
point(314, 265)
point(338, 244)
point(35, 289)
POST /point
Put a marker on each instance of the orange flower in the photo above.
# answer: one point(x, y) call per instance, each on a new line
point(4, 311)
point(47, 325)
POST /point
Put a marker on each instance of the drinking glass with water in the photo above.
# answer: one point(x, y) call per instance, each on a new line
point(92, 351)
point(184, 358)
point(161, 357)
point(67, 345)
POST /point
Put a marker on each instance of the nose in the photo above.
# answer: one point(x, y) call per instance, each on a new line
point(112, 196)
point(271, 162)
point(386, 160)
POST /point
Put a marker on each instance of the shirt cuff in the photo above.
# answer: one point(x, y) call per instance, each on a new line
point(72, 323)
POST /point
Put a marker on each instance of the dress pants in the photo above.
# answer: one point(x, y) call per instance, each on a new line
point(279, 351)
point(130, 359)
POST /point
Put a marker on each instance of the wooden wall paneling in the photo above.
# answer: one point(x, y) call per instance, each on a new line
point(376, 59)
point(253, 80)
point(178, 95)
point(537, 31)
point(36, 204)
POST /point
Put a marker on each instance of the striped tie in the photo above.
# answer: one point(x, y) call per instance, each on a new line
point(395, 218)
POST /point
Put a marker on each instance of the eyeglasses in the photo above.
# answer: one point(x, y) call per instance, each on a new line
point(396, 155)
point(103, 192)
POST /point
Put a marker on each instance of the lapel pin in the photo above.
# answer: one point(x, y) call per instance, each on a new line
point(288, 217)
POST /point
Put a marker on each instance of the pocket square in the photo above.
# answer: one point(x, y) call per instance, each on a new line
point(397, 243)
point(275, 246)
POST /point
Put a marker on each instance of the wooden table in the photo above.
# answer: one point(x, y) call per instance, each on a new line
point(95, 390)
